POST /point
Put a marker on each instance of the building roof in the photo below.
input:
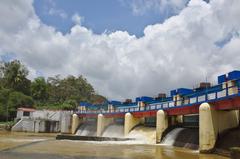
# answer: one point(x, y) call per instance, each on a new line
point(26, 109)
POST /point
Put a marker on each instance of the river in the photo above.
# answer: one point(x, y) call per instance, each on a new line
point(39, 146)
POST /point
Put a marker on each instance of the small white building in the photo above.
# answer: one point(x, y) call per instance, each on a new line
point(32, 120)
point(25, 113)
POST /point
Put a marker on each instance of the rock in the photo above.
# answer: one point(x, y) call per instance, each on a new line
point(235, 153)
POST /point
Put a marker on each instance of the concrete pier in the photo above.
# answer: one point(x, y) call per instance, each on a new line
point(130, 122)
point(76, 121)
point(212, 122)
point(161, 124)
point(102, 123)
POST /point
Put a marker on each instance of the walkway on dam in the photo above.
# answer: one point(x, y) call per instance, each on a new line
point(224, 96)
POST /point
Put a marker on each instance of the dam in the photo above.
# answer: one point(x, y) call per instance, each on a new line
point(191, 118)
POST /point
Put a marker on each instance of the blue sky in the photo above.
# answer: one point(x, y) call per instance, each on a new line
point(198, 42)
point(99, 15)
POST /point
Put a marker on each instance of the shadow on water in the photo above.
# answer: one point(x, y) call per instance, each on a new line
point(229, 138)
point(182, 137)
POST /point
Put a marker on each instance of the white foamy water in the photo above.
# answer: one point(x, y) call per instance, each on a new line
point(87, 129)
point(144, 135)
point(114, 130)
point(128, 142)
point(170, 138)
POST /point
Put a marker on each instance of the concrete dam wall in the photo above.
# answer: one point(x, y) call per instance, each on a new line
point(199, 132)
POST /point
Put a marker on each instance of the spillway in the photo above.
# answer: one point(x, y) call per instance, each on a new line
point(145, 134)
point(182, 137)
point(114, 130)
point(87, 129)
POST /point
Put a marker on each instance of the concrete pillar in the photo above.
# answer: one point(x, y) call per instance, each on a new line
point(130, 122)
point(75, 123)
point(102, 123)
point(161, 124)
point(211, 123)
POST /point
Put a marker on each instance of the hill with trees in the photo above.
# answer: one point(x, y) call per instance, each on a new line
point(16, 90)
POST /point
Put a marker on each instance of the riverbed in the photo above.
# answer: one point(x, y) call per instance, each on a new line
point(39, 146)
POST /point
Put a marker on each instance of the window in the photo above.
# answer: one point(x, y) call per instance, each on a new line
point(26, 113)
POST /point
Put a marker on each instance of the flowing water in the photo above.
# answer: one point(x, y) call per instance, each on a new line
point(114, 130)
point(170, 138)
point(146, 135)
point(182, 137)
point(87, 129)
point(39, 146)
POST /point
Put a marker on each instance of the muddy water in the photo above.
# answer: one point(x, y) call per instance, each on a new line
point(32, 146)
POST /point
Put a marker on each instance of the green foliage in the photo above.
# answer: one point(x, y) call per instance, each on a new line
point(10, 101)
point(39, 90)
point(70, 88)
point(4, 94)
point(69, 105)
point(14, 76)
point(18, 99)
point(55, 93)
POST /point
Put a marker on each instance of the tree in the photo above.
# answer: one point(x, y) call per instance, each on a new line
point(14, 76)
point(98, 99)
point(4, 94)
point(39, 90)
point(18, 99)
point(10, 101)
point(69, 105)
point(53, 89)
point(69, 88)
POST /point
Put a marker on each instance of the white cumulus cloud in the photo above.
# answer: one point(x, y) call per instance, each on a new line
point(77, 19)
point(180, 52)
point(140, 7)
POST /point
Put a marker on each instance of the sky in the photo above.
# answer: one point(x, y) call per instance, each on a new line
point(125, 48)
point(107, 15)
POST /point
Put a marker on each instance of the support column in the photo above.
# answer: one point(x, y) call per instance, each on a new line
point(75, 123)
point(102, 123)
point(211, 123)
point(161, 124)
point(130, 122)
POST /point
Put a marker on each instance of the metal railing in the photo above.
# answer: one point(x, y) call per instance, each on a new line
point(195, 99)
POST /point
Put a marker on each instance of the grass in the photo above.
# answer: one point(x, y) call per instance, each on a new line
point(6, 125)
point(6, 122)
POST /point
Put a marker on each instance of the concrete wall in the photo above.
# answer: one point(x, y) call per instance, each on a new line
point(47, 114)
point(65, 122)
point(161, 124)
point(30, 125)
point(102, 123)
point(130, 122)
point(212, 122)
point(20, 115)
point(25, 124)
